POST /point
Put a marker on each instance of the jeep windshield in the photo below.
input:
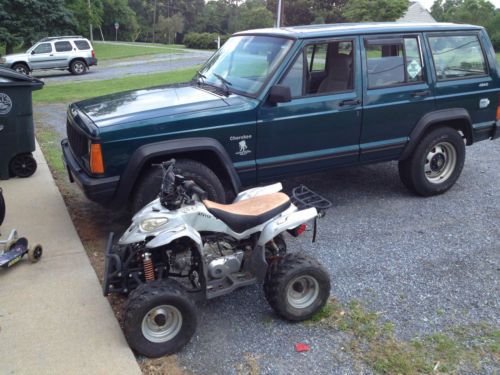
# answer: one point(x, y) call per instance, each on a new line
point(244, 63)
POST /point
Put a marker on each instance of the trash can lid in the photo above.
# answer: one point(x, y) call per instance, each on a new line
point(9, 77)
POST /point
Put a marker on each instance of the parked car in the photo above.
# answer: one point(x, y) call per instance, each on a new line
point(73, 53)
point(278, 102)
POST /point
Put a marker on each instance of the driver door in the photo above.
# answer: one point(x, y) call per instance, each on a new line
point(42, 56)
point(320, 127)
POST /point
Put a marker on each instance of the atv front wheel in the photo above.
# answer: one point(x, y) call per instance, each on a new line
point(297, 287)
point(159, 318)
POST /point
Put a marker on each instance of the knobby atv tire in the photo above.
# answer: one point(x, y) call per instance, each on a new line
point(284, 270)
point(141, 300)
point(149, 185)
point(412, 172)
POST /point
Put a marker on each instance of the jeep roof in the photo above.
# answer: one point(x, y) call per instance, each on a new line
point(319, 31)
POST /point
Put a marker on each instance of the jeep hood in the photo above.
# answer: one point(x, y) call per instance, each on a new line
point(145, 104)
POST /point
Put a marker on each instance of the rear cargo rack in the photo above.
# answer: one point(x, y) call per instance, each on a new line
point(303, 198)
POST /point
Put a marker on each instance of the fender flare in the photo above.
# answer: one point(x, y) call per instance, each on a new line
point(431, 118)
point(143, 154)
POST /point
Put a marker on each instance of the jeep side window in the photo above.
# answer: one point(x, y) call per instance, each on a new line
point(457, 56)
point(63, 46)
point(43, 48)
point(393, 61)
point(329, 69)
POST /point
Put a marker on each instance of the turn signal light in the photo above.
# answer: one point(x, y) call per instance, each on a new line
point(498, 109)
point(96, 161)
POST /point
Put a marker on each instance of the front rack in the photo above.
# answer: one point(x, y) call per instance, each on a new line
point(303, 198)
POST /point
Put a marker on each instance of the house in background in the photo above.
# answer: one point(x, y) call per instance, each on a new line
point(416, 13)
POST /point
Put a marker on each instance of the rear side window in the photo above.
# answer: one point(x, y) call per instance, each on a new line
point(393, 61)
point(63, 46)
point(457, 56)
point(82, 44)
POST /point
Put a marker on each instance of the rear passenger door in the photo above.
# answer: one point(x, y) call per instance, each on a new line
point(396, 94)
point(320, 126)
point(62, 55)
point(462, 77)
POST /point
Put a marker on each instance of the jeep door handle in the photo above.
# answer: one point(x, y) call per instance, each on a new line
point(417, 94)
point(349, 102)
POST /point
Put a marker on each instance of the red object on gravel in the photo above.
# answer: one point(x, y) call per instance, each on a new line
point(301, 347)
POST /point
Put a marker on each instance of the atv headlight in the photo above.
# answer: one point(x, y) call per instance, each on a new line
point(149, 225)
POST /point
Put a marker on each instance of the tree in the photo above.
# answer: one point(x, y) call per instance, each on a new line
point(26, 21)
point(119, 11)
point(169, 27)
point(375, 10)
point(252, 14)
point(84, 15)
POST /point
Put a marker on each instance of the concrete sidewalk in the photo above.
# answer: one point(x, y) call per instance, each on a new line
point(53, 317)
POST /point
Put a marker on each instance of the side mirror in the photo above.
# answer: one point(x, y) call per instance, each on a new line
point(33, 52)
point(280, 94)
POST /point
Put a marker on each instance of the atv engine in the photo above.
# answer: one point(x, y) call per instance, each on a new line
point(222, 258)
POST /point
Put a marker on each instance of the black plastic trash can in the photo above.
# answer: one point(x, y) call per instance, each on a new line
point(17, 131)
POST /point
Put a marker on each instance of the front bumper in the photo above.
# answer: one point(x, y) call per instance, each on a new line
point(97, 189)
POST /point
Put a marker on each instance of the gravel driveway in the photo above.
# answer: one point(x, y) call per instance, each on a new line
point(133, 66)
point(425, 263)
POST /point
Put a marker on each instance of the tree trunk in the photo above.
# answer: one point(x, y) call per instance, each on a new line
point(9, 48)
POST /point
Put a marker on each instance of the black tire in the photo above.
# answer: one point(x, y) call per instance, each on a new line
point(148, 186)
point(285, 276)
point(442, 145)
point(21, 68)
point(2, 208)
point(146, 297)
point(78, 67)
point(23, 165)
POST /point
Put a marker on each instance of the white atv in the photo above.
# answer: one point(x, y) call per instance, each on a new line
point(182, 247)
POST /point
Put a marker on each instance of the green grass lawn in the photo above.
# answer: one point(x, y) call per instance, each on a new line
point(66, 92)
point(108, 51)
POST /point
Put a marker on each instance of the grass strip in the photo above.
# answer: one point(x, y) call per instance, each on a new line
point(373, 342)
point(109, 51)
point(66, 92)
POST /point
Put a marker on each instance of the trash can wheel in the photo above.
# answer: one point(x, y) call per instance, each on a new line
point(23, 165)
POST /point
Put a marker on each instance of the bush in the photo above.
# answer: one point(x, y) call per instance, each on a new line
point(203, 40)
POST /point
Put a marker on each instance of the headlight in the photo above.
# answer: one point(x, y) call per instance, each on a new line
point(149, 225)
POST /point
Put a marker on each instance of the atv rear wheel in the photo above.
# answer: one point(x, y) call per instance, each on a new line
point(159, 318)
point(297, 287)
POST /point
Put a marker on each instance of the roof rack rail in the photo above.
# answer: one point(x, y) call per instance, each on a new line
point(60, 37)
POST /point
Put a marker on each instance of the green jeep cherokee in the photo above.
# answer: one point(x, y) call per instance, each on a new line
point(278, 102)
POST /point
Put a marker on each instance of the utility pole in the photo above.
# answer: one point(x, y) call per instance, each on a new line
point(279, 12)
point(91, 33)
point(154, 21)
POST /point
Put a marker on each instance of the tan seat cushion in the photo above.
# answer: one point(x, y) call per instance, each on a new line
point(253, 206)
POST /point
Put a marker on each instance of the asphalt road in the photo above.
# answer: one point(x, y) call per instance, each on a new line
point(426, 264)
point(133, 66)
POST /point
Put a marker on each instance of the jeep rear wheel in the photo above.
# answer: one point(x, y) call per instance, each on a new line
point(77, 67)
point(436, 163)
point(21, 68)
point(148, 186)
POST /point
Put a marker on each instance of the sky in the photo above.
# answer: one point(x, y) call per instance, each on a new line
point(428, 3)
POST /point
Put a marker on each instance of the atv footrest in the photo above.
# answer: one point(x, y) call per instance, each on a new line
point(220, 287)
point(303, 198)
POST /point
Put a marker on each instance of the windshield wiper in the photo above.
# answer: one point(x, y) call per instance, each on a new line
point(224, 81)
point(201, 77)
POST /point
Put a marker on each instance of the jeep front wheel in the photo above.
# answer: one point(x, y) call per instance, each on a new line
point(435, 164)
point(148, 186)
point(21, 68)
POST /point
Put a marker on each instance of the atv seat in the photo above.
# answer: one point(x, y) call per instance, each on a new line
point(251, 212)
